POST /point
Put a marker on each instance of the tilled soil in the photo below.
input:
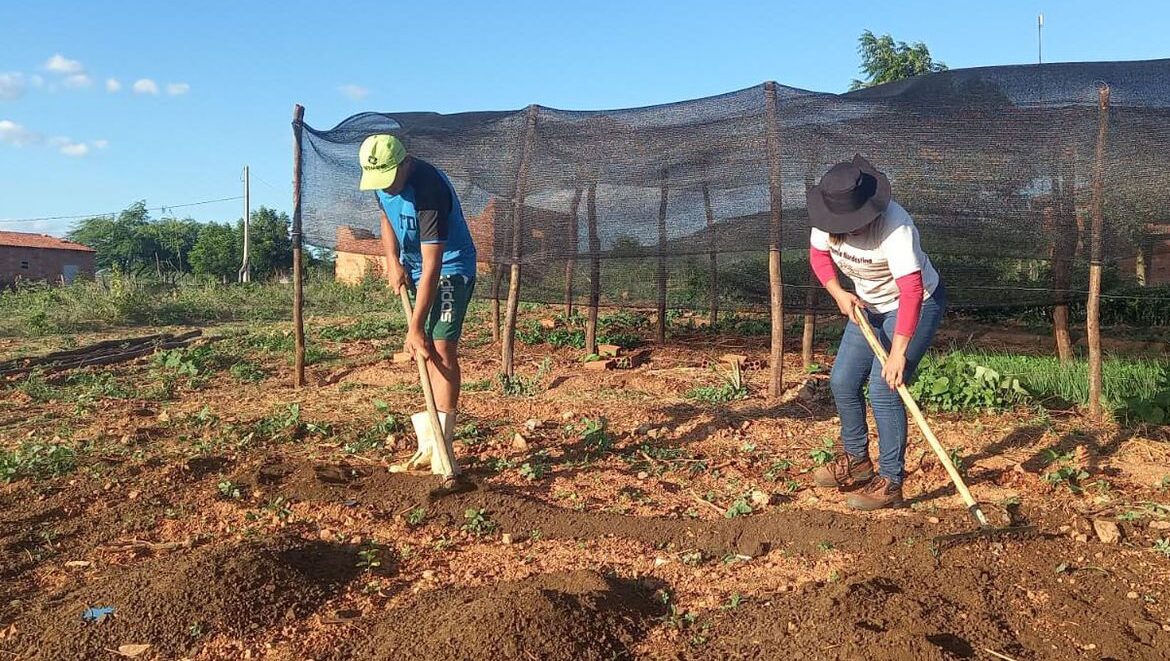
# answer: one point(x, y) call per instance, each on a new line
point(578, 615)
point(172, 602)
point(693, 532)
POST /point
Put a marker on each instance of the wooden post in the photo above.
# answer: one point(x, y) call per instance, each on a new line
point(1064, 248)
point(298, 272)
point(594, 270)
point(661, 275)
point(810, 300)
point(517, 242)
point(496, 275)
point(571, 260)
point(713, 251)
point(775, 277)
point(1093, 307)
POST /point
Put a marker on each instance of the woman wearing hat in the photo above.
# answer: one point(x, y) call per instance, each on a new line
point(858, 229)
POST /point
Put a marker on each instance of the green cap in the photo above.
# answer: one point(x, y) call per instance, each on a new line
point(380, 157)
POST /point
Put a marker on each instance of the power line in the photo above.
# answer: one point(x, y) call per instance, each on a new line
point(160, 209)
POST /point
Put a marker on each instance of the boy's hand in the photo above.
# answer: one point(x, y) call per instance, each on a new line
point(396, 276)
point(417, 341)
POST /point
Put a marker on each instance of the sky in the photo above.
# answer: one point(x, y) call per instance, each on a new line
point(103, 103)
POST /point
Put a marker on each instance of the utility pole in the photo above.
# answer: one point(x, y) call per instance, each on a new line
point(245, 274)
point(1040, 39)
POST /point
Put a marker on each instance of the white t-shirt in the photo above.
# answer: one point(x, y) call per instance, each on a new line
point(880, 253)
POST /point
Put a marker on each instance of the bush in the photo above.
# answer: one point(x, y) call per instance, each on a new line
point(956, 383)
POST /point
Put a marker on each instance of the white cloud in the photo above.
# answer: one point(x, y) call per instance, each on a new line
point(16, 135)
point(11, 86)
point(70, 148)
point(78, 80)
point(61, 64)
point(354, 92)
point(145, 86)
point(176, 89)
point(100, 144)
point(112, 85)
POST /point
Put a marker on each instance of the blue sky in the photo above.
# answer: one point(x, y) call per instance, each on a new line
point(105, 103)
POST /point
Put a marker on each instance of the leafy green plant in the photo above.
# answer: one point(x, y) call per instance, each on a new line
point(366, 329)
point(739, 508)
point(777, 469)
point(730, 390)
point(595, 436)
point(416, 516)
point(1163, 546)
point(369, 556)
point(954, 383)
point(825, 453)
point(248, 372)
point(534, 470)
point(229, 490)
point(37, 460)
point(521, 386)
point(478, 523)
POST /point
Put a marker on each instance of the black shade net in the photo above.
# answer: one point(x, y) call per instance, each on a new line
point(998, 166)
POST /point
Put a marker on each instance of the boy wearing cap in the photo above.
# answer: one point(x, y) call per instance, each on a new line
point(429, 249)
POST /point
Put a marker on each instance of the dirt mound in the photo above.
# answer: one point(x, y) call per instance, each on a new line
point(173, 602)
point(799, 531)
point(975, 599)
point(578, 615)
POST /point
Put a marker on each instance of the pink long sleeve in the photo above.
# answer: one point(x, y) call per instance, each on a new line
point(822, 265)
point(910, 294)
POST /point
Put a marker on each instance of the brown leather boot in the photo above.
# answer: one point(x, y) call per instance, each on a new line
point(876, 495)
point(844, 473)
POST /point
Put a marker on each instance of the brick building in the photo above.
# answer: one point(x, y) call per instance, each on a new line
point(25, 256)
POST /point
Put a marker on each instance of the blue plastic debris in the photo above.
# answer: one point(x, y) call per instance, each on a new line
point(97, 613)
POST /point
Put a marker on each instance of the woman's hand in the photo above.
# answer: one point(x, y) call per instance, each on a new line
point(846, 302)
point(894, 369)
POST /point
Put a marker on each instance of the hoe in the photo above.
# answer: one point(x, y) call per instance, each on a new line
point(985, 529)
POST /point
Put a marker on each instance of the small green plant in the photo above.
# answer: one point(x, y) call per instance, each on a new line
point(692, 558)
point(1163, 546)
point(247, 372)
point(731, 389)
point(739, 508)
point(521, 386)
point(37, 460)
point(479, 385)
point(959, 383)
point(478, 522)
point(369, 557)
point(279, 507)
point(229, 490)
point(416, 516)
point(1069, 476)
point(956, 456)
point(595, 436)
point(777, 470)
point(534, 470)
point(824, 546)
point(734, 601)
point(195, 630)
point(825, 453)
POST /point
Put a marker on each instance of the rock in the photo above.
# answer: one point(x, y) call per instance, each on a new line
point(643, 475)
point(933, 519)
point(532, 424)
point(519, 442)
point(325, 534)
point(659, 561)
point(1082, 538)
point(655, 433)
point(1131, 595)
point(428, 575)
point(1159, 525)
point(761, 499)
point(164, 417)
point(78, 564)
point(133, 494)
point(1107, 531)
point(506, 538)
point(568, 415)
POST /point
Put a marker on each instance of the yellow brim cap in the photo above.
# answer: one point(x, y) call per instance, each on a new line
point(377, 179)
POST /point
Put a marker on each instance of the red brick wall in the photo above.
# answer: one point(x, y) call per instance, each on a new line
point(42, 263)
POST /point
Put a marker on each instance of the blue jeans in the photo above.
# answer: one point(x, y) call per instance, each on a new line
point(855, 364)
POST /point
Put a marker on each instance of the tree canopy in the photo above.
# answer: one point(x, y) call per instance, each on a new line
point(133, 242)
point(884, 61)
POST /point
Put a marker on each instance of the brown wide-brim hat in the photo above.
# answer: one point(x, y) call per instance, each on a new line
point(851, 195)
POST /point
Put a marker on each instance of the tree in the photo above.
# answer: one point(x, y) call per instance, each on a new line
point(175, 239)
point(125, 242)
point(217, 252)
point(269, 243)
point(884, 61)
